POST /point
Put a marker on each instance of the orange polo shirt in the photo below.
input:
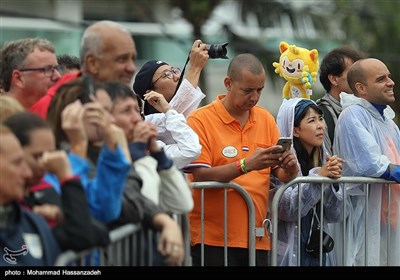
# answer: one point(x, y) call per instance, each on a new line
point(223, 141)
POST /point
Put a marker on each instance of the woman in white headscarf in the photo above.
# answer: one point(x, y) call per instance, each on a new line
point(302, 120)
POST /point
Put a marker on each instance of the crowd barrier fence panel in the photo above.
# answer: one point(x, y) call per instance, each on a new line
point(128, 248)
point(130, 245)
point(253, 231)
point(365, 181)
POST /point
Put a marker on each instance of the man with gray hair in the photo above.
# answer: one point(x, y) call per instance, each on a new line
point(108, 54)
point(28, 69)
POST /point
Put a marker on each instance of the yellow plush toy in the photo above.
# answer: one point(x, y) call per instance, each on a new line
point(299, 67)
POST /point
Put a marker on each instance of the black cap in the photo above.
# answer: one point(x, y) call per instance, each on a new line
point(143, 79)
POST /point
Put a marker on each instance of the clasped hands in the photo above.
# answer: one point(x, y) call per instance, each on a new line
point(333, 167)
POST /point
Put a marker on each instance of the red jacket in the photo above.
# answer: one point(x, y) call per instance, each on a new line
point(41, 106)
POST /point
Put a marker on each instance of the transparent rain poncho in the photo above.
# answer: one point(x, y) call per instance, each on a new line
point(368, 142)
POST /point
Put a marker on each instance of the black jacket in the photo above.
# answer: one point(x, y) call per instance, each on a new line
point(19, 235)
point(79, 230)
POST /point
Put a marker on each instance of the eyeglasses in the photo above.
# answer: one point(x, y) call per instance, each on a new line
point(48, 71)
point(168, 74)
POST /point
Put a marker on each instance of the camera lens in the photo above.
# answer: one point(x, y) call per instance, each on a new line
point(217, 50)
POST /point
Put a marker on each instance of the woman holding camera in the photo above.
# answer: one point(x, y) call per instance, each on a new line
point(168, 103)
point(302, 120)
point(161, 77)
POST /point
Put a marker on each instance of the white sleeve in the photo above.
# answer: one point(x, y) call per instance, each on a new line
point(146, 167)
point(158, 119)
point(175, 192)
point(185, 145)
point(166, 188)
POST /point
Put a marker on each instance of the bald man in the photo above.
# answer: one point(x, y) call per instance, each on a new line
point(233, 150)
point(108, 52)
point(369, 141)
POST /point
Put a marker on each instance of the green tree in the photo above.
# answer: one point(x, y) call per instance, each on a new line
point(371, 26)
point(197, 13)
point(374, 27)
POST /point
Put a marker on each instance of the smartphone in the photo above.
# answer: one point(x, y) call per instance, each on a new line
point(285, 142)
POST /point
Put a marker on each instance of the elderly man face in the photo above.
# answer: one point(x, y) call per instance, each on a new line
point(110, 53)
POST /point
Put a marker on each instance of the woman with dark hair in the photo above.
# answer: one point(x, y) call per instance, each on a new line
point(302, 120)
point(79, 116)
point(134, 206)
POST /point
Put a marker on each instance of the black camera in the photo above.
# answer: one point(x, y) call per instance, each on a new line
point(313, 246)
point(217, 50)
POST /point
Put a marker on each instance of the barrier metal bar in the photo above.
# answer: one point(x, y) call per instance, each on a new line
point(202, 226)
point(366, 239)
point(344, 259)
point(318, 180)
point(85, 258)
point(130, 245)
point(225, 227)
point(150, 246)
point(119, 244)
point(250, 207)
point(185, 226)
point(321, 223)
point(388, 222)
point(298, 221)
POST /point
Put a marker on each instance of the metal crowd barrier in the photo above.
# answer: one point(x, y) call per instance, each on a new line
point(183, 221)
point(251, 212)
point(122, 250)
point(365, 181)
point(130, 245)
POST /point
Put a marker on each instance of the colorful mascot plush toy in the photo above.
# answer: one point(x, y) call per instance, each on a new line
point(299, 67)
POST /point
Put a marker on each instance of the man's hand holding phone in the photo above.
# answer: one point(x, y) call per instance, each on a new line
point(285, 142)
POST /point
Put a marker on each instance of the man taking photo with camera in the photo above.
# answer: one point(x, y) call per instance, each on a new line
point(159, 76)
point(170, 98)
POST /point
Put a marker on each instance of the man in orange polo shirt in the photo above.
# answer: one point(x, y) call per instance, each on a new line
point(238, 141)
